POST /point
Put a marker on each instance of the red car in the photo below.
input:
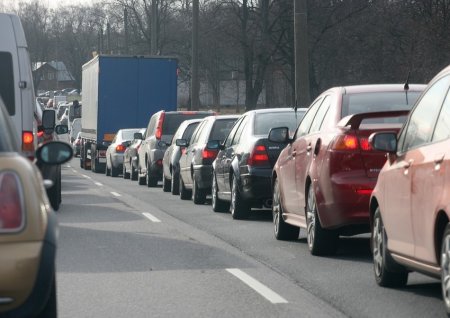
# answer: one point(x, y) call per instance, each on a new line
point(410, 205)
point(323, 179)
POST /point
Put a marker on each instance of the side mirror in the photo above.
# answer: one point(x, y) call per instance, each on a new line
point(384, 141)
point(138, 135)
point(54, 153)
point(181, 142)
point(213, 144)
point(48, 120)
point(61, 129)
point(127, 143)
point(279, 135)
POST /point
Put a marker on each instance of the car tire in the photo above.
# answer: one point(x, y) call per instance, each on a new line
point(134, 173)
point(166, 184)
point(142, 180)
point(151, 180)
point(114, 170)
point(107, 170)
point(239, 208)
point(54, 195)
point(50, 309)
point(282, 230)
point(217, 204)
point(175, 182)
point(198, 195)
point(185, 194)
point(321, 241)
point(125, 174)
point(387, 272)
point(445, 268)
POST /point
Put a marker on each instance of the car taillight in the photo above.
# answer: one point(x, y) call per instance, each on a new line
point(351, 142)
point(258, 157)
point(28, 144)
point(11, 202)
point(209, 154)
point(40, 133)
point(120, 148)
point(159, 127)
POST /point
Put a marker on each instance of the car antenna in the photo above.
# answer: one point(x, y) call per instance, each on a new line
point(295, 109)
point(406, 87)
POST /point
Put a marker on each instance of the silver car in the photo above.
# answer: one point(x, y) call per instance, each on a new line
point(114, 153)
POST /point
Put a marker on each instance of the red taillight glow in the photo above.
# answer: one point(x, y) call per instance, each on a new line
point(209, 154)
point(40, 133)
point(364, 191)
point(120, 148)
point(27, 137)
point(365, 145)
point(159, 127)
point(11, 209)
point(258, 156)
point(346, 142)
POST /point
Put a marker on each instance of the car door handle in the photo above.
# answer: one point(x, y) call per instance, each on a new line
point(439, 159)
point(294, 153)
point(408, 164)
point(309, 148)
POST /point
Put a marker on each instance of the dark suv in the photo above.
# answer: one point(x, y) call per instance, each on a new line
point(160, 130)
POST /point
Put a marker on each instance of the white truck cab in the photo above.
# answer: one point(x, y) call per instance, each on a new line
point(16, 81)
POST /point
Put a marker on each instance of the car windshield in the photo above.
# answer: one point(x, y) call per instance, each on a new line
point(266, 121)
point(377, 101)
point(221, 128)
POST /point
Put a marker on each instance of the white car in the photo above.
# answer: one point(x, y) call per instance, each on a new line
point(114, 153)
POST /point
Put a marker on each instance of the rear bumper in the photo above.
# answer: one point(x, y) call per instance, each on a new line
point(256, 184)
point(44, 255)
point(117, 160)
point(347, 203)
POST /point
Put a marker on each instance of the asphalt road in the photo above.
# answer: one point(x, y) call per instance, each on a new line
point(130, 251)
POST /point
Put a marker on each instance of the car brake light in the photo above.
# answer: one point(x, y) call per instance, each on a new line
point(159, 127)
point(364, 191)
point(120, 148)
point(365, 145)
point(11, 202)
point(40, 133)
point(258, 157)
point(209, 154)
point(346, 142)
point(28, 144)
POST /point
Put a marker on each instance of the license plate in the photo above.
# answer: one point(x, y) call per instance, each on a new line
point(102, 160)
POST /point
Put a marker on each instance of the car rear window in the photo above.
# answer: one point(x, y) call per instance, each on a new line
point(221, 129)
point(173, 121)
point(7, 82)
point(377, 102)
point(264, 122)
point(187, 134)
point(129, 134)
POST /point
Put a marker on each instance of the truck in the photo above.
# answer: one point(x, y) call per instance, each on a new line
point(122, 92)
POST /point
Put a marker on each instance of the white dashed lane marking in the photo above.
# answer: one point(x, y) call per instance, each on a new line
point(151, 217)
point(115, 194)
point(98, 183)
point(260, 288)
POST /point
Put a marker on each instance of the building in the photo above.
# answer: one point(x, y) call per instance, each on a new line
point(51, 76)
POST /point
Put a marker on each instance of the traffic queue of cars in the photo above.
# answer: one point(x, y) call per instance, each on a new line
point(324, 169)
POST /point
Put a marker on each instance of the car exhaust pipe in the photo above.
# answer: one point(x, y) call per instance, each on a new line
point(268, 203)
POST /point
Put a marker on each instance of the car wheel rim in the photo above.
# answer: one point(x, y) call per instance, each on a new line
point(311, 217)
point(378, 246)
point(276, 209)
point(233, 197)
point(445, 268)
point(213, 191)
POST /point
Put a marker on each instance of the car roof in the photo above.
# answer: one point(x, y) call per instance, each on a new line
point(355, 89)
point(270, 110)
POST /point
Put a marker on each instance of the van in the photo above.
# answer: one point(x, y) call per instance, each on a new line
point(17, 91)
point(16, 82)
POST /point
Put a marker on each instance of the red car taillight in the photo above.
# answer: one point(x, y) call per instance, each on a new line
point(351, 142)
point(11, 202)
point(159, 127)
point(28, 144)
point(209, 154)
point(120, 148)
point(258, 157)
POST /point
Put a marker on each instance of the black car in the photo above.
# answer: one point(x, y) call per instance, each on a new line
point(130, 157)
point(171, 167)
point(243, 167)
point(196, 161)
point(158, 135)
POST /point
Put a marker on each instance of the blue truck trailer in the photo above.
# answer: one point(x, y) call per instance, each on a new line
point(122, 92)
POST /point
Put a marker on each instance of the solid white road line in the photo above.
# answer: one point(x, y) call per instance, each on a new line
point(115, 194)
point(263, 290)
point(151, 217)
point(98, 183)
